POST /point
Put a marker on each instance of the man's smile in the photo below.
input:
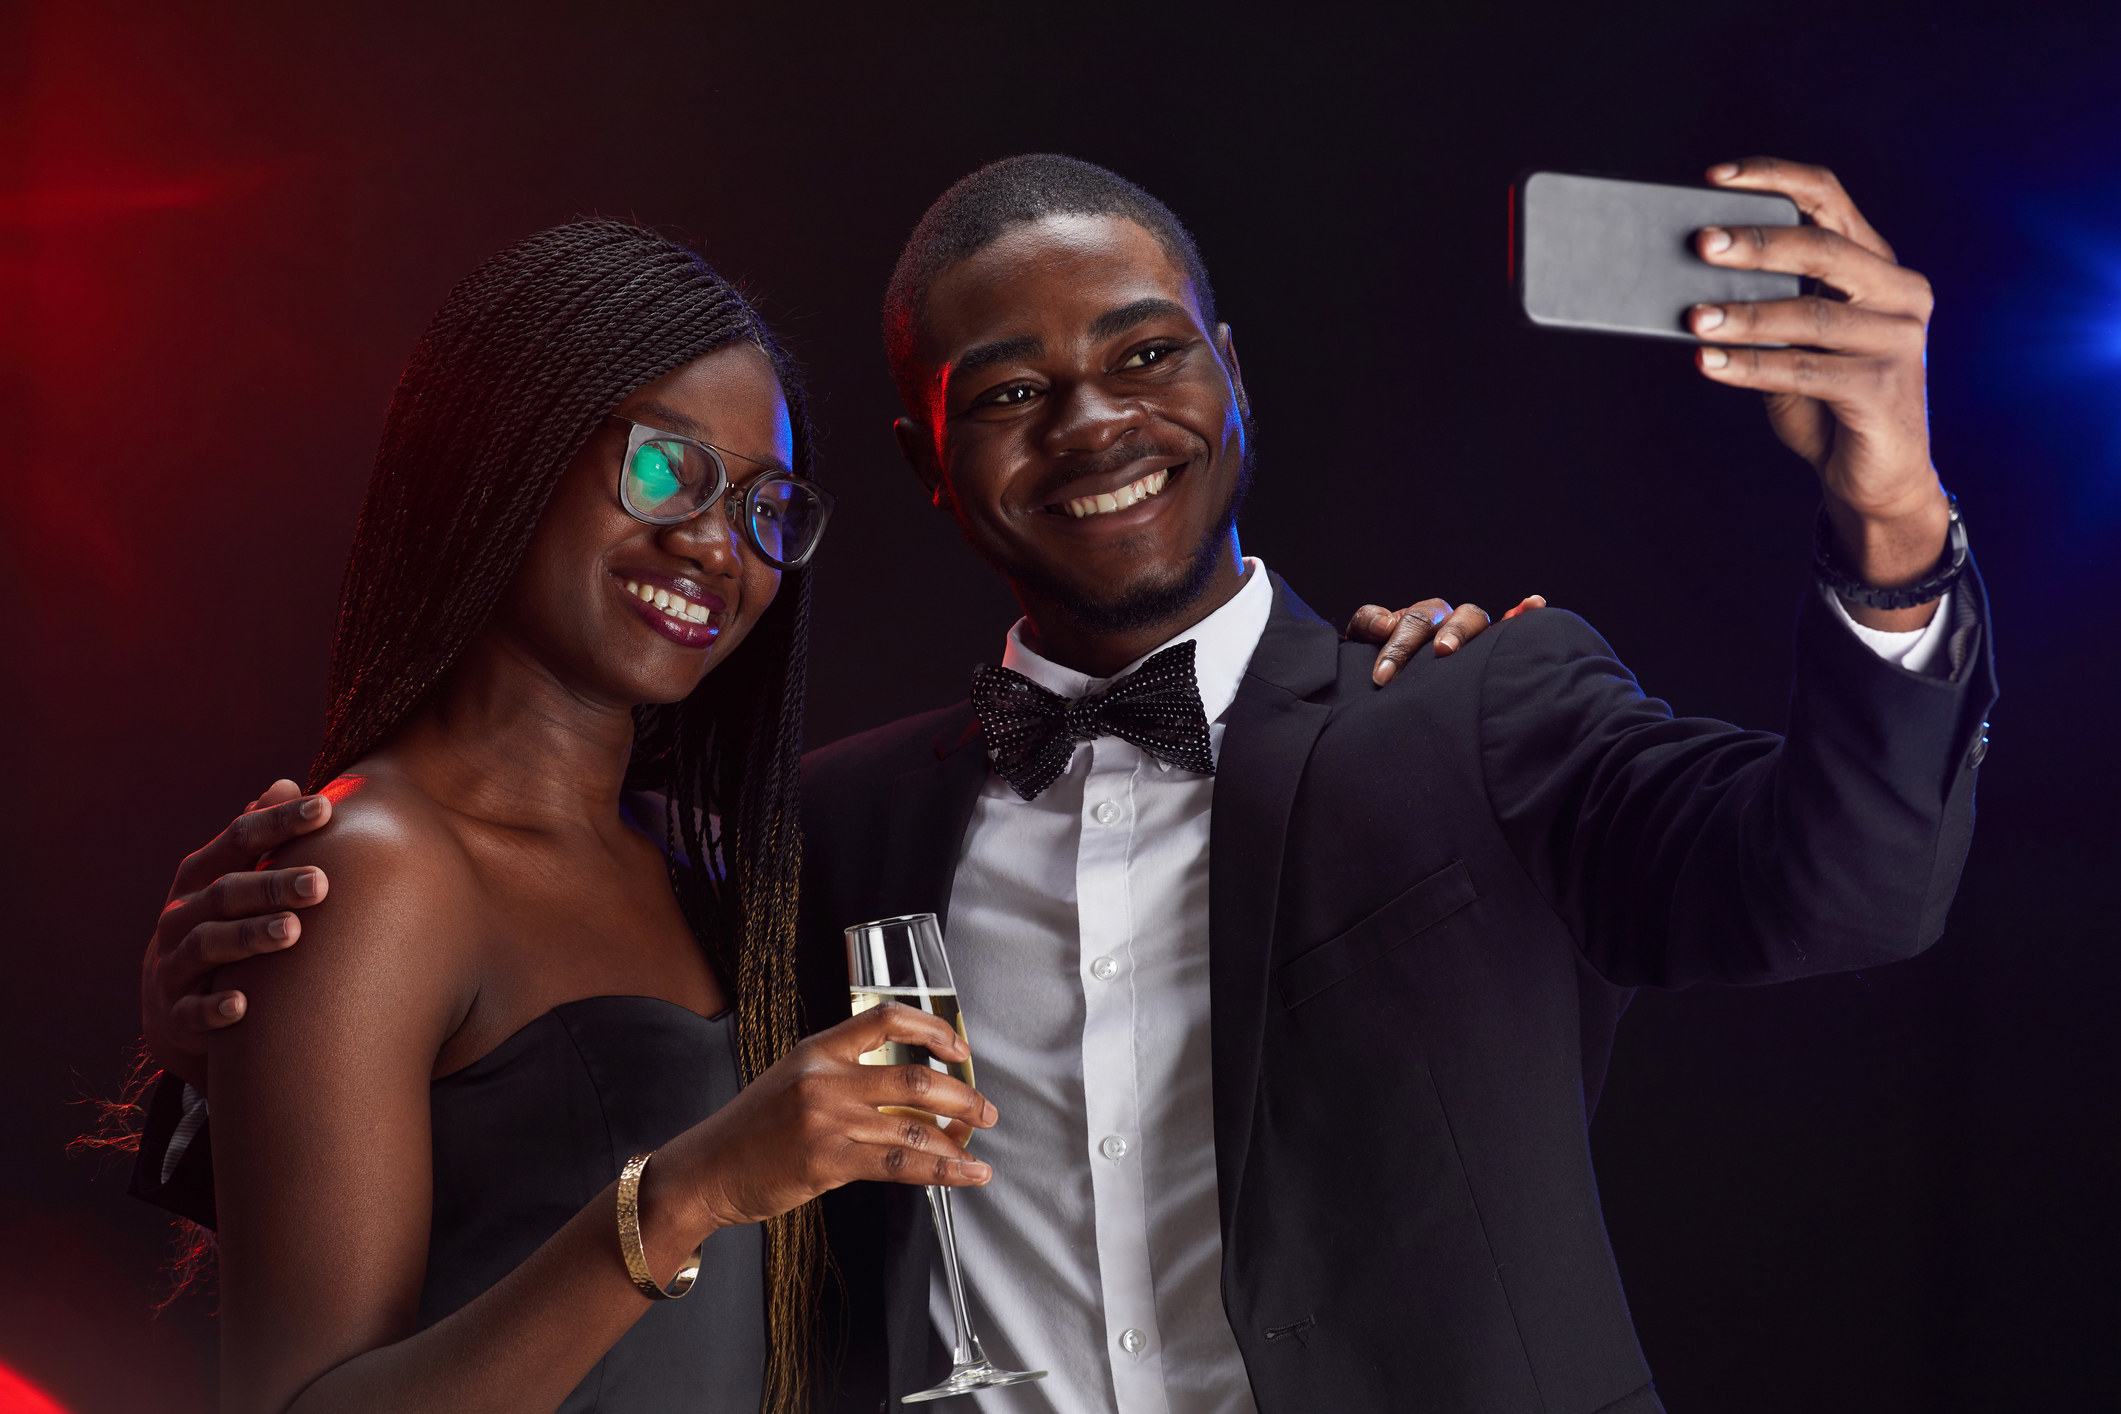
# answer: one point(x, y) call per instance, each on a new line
point(1097, 503)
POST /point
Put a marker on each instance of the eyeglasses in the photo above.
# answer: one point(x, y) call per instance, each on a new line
point(666, 479)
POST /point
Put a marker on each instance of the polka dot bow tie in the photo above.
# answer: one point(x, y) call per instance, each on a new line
point(1032, 732)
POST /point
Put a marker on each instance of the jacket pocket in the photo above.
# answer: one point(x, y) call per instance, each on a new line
point(1418, 909)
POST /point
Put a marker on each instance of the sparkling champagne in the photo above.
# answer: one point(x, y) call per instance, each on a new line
point(935, 1002)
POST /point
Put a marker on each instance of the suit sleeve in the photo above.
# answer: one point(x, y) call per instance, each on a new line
point(1684, 850)
point(189, 1193)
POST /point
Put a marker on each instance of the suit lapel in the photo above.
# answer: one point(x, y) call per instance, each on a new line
point(1267, 738)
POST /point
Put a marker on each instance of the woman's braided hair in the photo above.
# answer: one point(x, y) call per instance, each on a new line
point(515, 373)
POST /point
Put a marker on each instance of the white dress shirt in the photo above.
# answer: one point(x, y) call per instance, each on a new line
point(1078, 937)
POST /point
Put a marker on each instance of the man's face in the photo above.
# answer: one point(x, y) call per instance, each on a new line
point(1086, 427)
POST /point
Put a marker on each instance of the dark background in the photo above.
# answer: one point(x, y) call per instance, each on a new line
point(222, 230)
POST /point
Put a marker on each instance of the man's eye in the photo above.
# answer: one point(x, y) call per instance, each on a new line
point(1154, 354)
point(1010, 396)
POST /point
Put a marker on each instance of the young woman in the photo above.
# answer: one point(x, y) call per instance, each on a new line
point(578, 572)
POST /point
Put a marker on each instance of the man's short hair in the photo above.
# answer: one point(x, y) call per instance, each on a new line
point(975, 213)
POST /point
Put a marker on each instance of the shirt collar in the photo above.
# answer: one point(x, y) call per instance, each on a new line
point(1225, 643)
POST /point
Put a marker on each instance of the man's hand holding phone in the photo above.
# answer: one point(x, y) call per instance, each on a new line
point(1849, 396)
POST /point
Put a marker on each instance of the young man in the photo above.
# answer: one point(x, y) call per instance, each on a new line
point(1295, 990)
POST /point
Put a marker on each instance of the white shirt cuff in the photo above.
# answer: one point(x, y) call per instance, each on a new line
point(187, 1129)
point(1919, 650)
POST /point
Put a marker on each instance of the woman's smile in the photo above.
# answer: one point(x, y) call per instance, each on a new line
point(682, 610)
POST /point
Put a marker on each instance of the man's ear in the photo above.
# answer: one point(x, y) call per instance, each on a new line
point(918, 448)
point(1226, 350)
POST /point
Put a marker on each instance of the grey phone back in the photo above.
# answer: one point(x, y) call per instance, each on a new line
point(1618, 257)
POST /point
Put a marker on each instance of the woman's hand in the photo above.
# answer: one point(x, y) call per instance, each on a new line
point(815, 1121)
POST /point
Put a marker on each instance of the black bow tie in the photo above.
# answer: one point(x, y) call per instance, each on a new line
point(1031, 732)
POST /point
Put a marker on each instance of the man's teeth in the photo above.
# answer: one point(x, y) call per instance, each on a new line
point(675, 605)
point(1118, 500)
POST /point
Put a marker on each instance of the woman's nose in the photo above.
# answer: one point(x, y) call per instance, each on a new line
point(708, 537)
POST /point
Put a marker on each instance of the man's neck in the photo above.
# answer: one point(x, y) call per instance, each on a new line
point(1059, 637)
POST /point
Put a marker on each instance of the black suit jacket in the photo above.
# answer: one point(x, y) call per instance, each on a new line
point(1429, 904)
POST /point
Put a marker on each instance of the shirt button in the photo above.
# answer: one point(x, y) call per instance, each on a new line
point(1133, 1341)
point(1107, 812)
point(1104, 969)
point(1113, 1147)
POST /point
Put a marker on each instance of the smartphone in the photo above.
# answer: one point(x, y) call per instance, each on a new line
point(1618, 257)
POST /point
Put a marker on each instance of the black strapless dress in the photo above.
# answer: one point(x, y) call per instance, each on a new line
point(526, 1135)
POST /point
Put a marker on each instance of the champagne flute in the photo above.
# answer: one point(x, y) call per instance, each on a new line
point(902, 959)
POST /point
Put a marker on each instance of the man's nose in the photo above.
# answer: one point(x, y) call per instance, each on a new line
point(1086, 418)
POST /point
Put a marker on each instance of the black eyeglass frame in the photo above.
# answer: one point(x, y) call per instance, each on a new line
point(641, 433)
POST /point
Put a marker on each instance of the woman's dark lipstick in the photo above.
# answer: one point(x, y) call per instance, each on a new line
point(681, 610)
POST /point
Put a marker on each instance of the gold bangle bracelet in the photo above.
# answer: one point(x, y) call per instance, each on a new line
point(630, 1238)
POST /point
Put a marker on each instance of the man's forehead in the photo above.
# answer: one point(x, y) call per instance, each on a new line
point(1055, 274)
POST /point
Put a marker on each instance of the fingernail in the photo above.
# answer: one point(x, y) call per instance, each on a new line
point(1723, 171)
point(230, 1006)
point(1714, 358)
point(313, 807)
point(1445, 643)
point(990, 1114)
point(977, 1171)
point(1715, 240)
point(277, 928)
point(1386, 671)
point(1707, 316)
point(309, 885)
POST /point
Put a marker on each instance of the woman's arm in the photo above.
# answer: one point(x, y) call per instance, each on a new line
point(322, 1157)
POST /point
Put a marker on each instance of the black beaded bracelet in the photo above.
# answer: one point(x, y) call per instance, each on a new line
point(1834, 577)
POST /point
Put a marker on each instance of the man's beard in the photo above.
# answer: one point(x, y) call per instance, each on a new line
point(1145, 605)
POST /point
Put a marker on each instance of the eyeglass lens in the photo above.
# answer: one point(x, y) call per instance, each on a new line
point(668, 481)
point(786, 518)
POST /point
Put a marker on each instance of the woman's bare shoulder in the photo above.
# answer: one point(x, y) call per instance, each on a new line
point(401, 904)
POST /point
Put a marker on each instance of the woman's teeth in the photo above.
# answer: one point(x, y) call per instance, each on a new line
point(1118, 500)
point(675, 605)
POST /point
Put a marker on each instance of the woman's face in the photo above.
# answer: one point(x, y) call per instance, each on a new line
point(577, 602)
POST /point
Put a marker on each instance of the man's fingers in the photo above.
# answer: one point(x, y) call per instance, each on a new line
point(1402, 632)
point(1866, 277)
point(1466, 622)
point(278, 793)
point(251, 894)
point(196, 1015)
point(218, 943)
point(1817, 192)
point(1811, 321)
point(251, 836)
point(1526, 605)
point(1839, 380)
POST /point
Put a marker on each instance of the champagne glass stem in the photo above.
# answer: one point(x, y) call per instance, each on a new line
point(968, 1351)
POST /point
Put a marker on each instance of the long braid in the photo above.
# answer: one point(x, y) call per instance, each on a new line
point(515, 373)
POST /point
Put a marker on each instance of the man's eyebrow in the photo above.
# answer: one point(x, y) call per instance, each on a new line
point(1118, 321)
point(980, 356)
point(664, 417)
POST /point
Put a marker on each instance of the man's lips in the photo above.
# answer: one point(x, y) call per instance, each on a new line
point(1116, 495)
point(680, 609)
